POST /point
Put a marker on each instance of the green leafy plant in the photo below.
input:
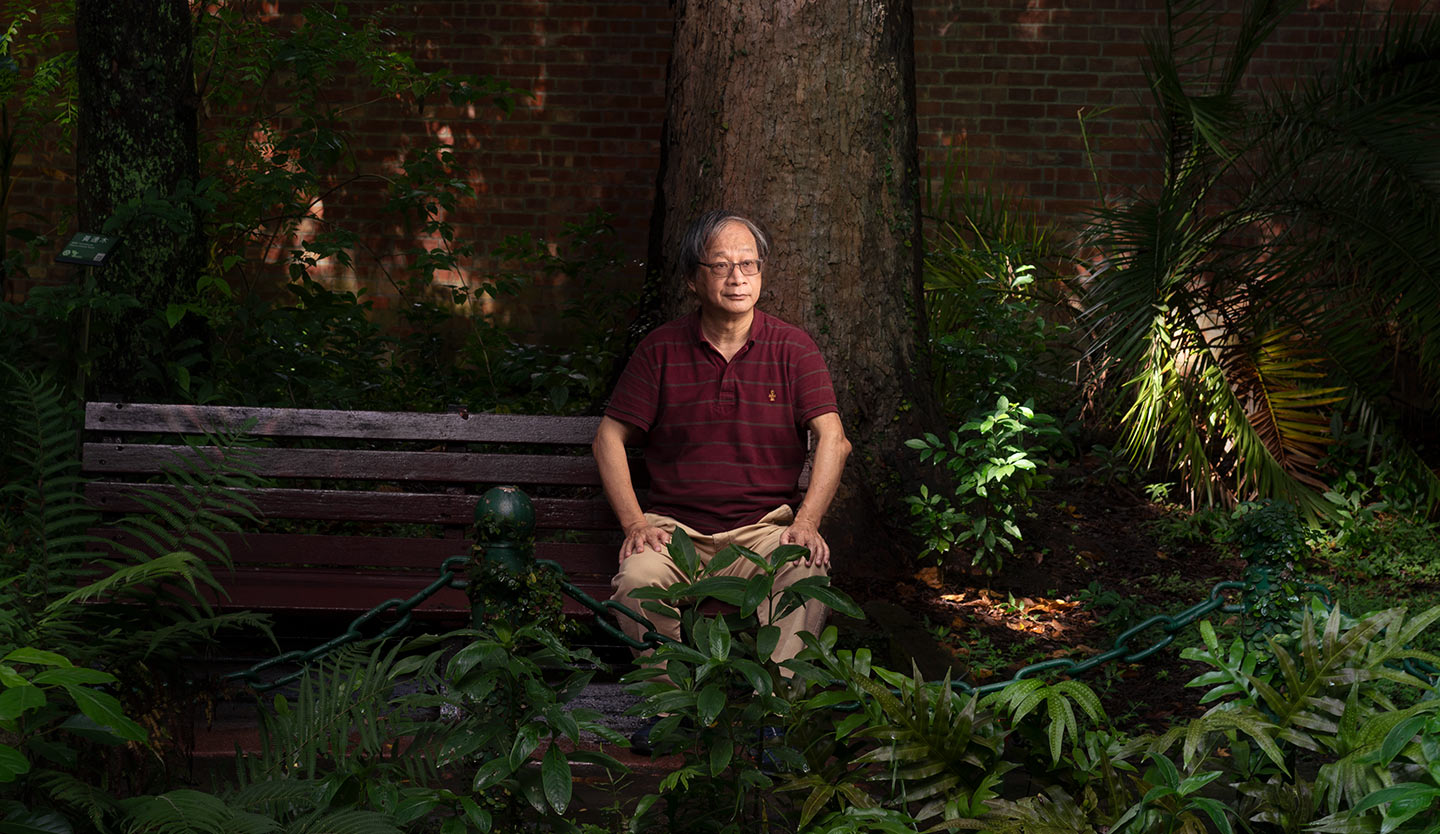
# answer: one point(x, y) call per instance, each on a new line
point(994, 467)
point(126, 608)
point(719, 687)
point(933, 752)
point(1269, 536)
point(141, 583)
point(1318, 701)
point(993, 294)
point(375, 736)
point(53, 714)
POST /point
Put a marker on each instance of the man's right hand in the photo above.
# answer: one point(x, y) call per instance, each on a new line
point(641, 537)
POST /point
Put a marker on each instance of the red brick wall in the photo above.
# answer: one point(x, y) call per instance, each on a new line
point(583, 135)
point(1002, 79)
point(1005, 85)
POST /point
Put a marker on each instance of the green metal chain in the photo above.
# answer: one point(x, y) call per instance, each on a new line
point(1120, 652)
point(509, 517)
point(452, 575)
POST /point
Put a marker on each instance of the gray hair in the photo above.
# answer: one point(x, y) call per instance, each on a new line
point(697, 238)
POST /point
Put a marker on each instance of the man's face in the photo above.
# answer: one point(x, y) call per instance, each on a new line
point(732, 293)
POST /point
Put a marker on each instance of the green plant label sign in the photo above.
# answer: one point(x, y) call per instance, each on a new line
point(87, 249)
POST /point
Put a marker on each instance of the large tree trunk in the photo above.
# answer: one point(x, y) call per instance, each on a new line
point(801, 115)
point(136, 159)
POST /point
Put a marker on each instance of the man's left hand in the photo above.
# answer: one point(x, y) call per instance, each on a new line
point(807, 535)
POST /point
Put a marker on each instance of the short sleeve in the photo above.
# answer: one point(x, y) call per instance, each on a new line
point(814, 392)
point(636, 399)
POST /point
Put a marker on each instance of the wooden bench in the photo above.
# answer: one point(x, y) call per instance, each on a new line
point(359, 507)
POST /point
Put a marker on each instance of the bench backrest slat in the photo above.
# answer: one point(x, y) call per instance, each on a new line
point(385, 507)
point(362, 464)
point(316, 423)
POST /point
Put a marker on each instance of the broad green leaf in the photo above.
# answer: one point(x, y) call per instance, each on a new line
point(35, 822)
point(709, 704)
point(19, 700)
point(73, 675)
point(818, 588)
point(720, 756)
point(37, 657)
point(1403, 792)
point(527, 738)
point(1216, 811)
point(173, 314)
point(720, 640)
point(106, 711)
point(682, 553)
point(555, 775)
point(1403, 808)
point(757, 591)
point(490, 774)
point(85, 727)
point(756, 676)
point(12, 763)
point(766, 638)
point(728, 589)
point(478, 817)
point(787, 553)
point(1399, 736)
point(722, 560)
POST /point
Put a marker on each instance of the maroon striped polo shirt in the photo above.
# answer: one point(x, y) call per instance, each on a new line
point(725, 442)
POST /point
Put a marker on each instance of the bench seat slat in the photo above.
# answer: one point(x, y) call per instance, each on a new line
point(369, 425)
point(579, 558)
point(364, 464)
point(298, 572)
point(342, 591)
point(396, 507)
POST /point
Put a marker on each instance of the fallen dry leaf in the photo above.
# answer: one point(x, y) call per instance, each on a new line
point(930, 576)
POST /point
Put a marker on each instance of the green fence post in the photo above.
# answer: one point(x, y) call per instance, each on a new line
point(1269, 534)
point(504, 536)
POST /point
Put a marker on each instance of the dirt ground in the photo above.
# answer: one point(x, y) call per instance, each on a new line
point(1095, 559)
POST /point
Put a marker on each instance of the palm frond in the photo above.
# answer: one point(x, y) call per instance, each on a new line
point(1300, 227)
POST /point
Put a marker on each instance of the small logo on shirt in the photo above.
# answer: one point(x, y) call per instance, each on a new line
point(772, 395)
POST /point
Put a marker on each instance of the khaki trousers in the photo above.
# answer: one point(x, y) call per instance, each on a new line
point(650, 569)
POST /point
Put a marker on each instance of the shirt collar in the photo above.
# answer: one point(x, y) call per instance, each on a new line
point(757, 327)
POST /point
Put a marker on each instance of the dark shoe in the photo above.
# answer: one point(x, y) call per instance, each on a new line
point(768, 754)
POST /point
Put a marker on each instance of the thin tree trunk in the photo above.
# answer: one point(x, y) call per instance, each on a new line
point(801, 115)
point(136, 161)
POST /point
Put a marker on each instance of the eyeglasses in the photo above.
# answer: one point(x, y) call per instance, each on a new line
point(720, 269)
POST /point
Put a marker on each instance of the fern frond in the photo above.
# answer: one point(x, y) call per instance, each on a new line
point(346, 822)
point(171, 566)
point(67, 790)
point(178, 812)
point(345, 709)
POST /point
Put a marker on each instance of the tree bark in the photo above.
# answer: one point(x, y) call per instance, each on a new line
point(801, 115)
point(136, 165)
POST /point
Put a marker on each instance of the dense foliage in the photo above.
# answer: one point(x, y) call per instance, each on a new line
point(270, 328)
point(1247, 324)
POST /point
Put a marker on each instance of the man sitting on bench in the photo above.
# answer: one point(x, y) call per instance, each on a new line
point(721, 399)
